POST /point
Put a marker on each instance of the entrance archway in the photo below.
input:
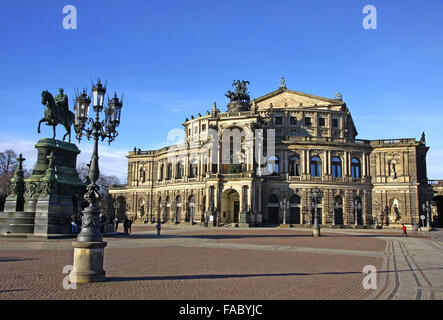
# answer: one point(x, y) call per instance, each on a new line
point(190, 212)
point(230, 206)
point(273, 209)
point(338, 210)
point(294, 210)
point(120, 208)
point(438, 217)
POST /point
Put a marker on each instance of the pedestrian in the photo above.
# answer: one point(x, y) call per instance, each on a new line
point(130, 224)
point(159, 227)
point(74, 228)
point(404, 230)
point(116, 224)
point(125, 225)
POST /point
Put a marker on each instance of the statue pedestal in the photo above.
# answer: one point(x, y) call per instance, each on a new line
point(88, 262)
point(49, 193)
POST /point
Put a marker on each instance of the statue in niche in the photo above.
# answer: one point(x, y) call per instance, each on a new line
point(394, 216)
point(393, 169)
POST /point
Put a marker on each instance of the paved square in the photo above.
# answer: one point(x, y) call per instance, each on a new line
point(191, 262)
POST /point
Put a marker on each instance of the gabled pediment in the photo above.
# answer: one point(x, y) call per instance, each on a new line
point(282, 98)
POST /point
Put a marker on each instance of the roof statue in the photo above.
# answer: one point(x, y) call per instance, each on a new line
point(282, 83)
point(241, 91)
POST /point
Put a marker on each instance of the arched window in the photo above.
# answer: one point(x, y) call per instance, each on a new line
point(273, 199)
point(160, 174)
point(273, 163)
point(294, 166)
point(169, 172)
point(193, 167)
point(179, 170)
point(316, 166)
point(142, 175)
point(355, 168)
point(336, 167)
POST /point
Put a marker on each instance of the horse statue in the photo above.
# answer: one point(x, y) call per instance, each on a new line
point(57, 112)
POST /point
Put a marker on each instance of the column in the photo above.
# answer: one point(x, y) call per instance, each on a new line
point(364, 165)
point(249, 205)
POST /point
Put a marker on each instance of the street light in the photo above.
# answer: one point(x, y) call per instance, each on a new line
point(284, 204)
point(89, 247)
point(357, 206)
point(376, 214)
point(427, 209)
point(316, 193)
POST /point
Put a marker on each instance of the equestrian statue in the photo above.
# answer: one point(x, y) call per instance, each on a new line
point(57, 112)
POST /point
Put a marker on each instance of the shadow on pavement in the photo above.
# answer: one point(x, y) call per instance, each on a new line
point(227, 276)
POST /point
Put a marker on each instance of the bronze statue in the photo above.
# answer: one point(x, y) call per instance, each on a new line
point(240, 93)
point(57, 112)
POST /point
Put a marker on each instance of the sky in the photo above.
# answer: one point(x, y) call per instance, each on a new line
point(173, 59)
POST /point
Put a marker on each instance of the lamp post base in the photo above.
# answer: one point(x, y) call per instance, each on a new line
point(88, 262)
point(316, 231)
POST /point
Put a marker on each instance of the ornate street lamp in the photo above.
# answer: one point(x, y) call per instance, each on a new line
point(357, 206)
point(427, 209)
point(89, 247)
point(316, 194)
point(284, 204)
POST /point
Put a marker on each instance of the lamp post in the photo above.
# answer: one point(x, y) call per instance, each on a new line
point(427, 209)
point(163, 209)
point(376, 214)
point(334, 212)
point(284, 204)
point(89, 247)
point(316, 193)
point(357, 206)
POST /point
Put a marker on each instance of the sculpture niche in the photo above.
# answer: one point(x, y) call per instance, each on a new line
point(57, 112)
point(239, 100)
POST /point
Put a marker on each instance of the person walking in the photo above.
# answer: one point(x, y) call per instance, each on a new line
point(130, 221)
point(159, 227)
point(125, 225)
point(404, 230)
point(74, 228)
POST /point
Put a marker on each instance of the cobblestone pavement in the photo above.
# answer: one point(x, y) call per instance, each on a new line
point(192, 262)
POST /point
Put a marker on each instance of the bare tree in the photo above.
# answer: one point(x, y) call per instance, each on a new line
point(8, 165)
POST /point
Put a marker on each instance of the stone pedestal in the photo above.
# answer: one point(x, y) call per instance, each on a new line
point(88, 262)
point(316, 231)
point(50, 196)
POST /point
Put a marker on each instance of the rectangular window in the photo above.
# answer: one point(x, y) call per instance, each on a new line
point(321, 122)
point(278, 120)
point(308, 121)
point(335, 123)
point(203, 127)
point(293, 121)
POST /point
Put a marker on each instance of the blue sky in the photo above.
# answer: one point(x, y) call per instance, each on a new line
point(173, 59)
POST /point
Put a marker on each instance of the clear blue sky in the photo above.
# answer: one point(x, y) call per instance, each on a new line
point(174, 58)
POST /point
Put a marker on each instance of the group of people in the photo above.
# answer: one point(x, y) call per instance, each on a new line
point(127, 225)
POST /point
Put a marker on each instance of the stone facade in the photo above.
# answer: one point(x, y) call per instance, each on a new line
point(315, 146)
